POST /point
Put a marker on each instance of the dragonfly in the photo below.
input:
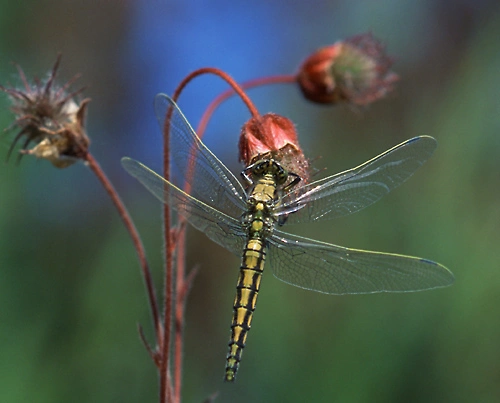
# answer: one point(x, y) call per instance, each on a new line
point(247, 220)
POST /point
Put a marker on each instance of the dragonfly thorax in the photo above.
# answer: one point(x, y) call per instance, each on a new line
point(267, 178)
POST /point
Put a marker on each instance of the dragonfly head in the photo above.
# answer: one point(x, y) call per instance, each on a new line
point(269, 167)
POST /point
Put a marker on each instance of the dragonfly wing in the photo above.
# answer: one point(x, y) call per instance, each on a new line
point(333, 269)
point(357, 188)
point(209, 179)
point(219, 227)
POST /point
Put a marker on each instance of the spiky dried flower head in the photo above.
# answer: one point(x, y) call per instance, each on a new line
point(356, 70)
point(50, 117)
point(273, 136)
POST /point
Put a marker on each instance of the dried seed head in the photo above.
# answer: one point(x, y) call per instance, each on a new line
point(273, 136)
point(356, 71)
point(49, 117)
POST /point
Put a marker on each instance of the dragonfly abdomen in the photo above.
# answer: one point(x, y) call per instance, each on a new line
point(247, 290)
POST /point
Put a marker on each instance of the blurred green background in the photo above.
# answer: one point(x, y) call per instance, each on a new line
point(71, 294)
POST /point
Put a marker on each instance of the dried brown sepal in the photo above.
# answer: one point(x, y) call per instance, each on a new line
point(49, 116)
point(273, 136)
point(356, 71)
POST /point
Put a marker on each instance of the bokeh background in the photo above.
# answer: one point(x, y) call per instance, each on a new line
point(71, 294)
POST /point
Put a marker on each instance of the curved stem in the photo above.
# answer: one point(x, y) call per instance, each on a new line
point(257, 82)
point(227, 78)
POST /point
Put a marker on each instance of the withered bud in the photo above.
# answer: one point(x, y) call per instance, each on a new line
point(356, 71)
point(51, 118)
point(273, 136)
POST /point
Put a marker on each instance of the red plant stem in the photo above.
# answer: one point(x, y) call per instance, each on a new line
point(129, 225)
point(282, 79)
point(237, 88)
point(179, 314)
point(168, 391)
point(180, 241)
point(165, 378)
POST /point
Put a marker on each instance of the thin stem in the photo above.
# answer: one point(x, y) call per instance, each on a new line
point(183, 286)
point(165, 381)
point(257, 82)
point(136, 240)
point(226, 77)
point(179, 314)
point(179, 328)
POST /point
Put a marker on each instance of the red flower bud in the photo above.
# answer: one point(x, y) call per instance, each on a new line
point(356, 71)
point(273, 136)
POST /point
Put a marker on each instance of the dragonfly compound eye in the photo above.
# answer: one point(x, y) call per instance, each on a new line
point(281, 176)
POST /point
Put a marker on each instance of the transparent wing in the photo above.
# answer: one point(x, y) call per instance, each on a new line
point(357, 188)
point(219, 227)
point(332, 269)
point(210, 180)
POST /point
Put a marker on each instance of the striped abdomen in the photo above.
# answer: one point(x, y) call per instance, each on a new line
point(247, 290)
